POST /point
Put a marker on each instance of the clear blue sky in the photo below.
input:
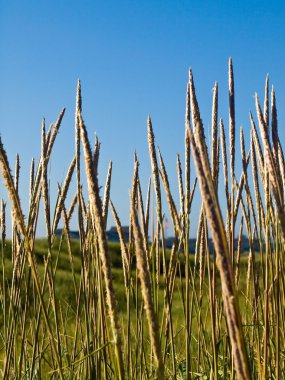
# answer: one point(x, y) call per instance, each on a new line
point(133, 59)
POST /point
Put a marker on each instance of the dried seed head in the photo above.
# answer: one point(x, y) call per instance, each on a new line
point(71, 207)
point(145, 280)
point(258, 149)
point(215, 133)
point(171, 204)
point(275, 179)
point(147, 207)
point(32, 178)
point(96, 155)
point(187, 113)
point(255, 180)
point(225, 161)
point(198, 125)
point(196, 119)
point(187, 153)
point(54, 133)
point(9, 183)
point(63, 194)
point(232, 118)
point(97, 216)
point(242, 147)
point(180, 185)
point(266, 102)
point(155, 171)
point(78, 98)
point(215, 221)
point(141, 207)
point(274, 124)
point(17, 173)
point(107, 194)
point(44, 186)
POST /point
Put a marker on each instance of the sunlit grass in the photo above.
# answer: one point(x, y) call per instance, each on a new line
point(91, 309)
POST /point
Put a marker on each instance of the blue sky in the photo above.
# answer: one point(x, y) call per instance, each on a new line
point(133, 59)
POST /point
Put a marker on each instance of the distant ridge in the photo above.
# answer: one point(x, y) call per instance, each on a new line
point(112, 236)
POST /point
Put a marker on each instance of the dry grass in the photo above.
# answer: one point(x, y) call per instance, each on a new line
point(162, 315)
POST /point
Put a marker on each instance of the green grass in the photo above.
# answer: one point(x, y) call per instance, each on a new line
point(65, 297)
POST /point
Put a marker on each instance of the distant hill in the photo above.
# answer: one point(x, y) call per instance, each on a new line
point(112, 236)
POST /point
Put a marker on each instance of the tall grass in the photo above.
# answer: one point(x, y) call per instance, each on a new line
point(154, 313)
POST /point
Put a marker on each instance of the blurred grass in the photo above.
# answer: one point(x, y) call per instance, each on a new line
point(65, 289)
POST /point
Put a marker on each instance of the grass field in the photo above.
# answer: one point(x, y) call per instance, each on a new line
point(89, 309)
point(65, 295)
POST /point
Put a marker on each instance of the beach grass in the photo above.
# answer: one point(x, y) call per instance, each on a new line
point(92, 309)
